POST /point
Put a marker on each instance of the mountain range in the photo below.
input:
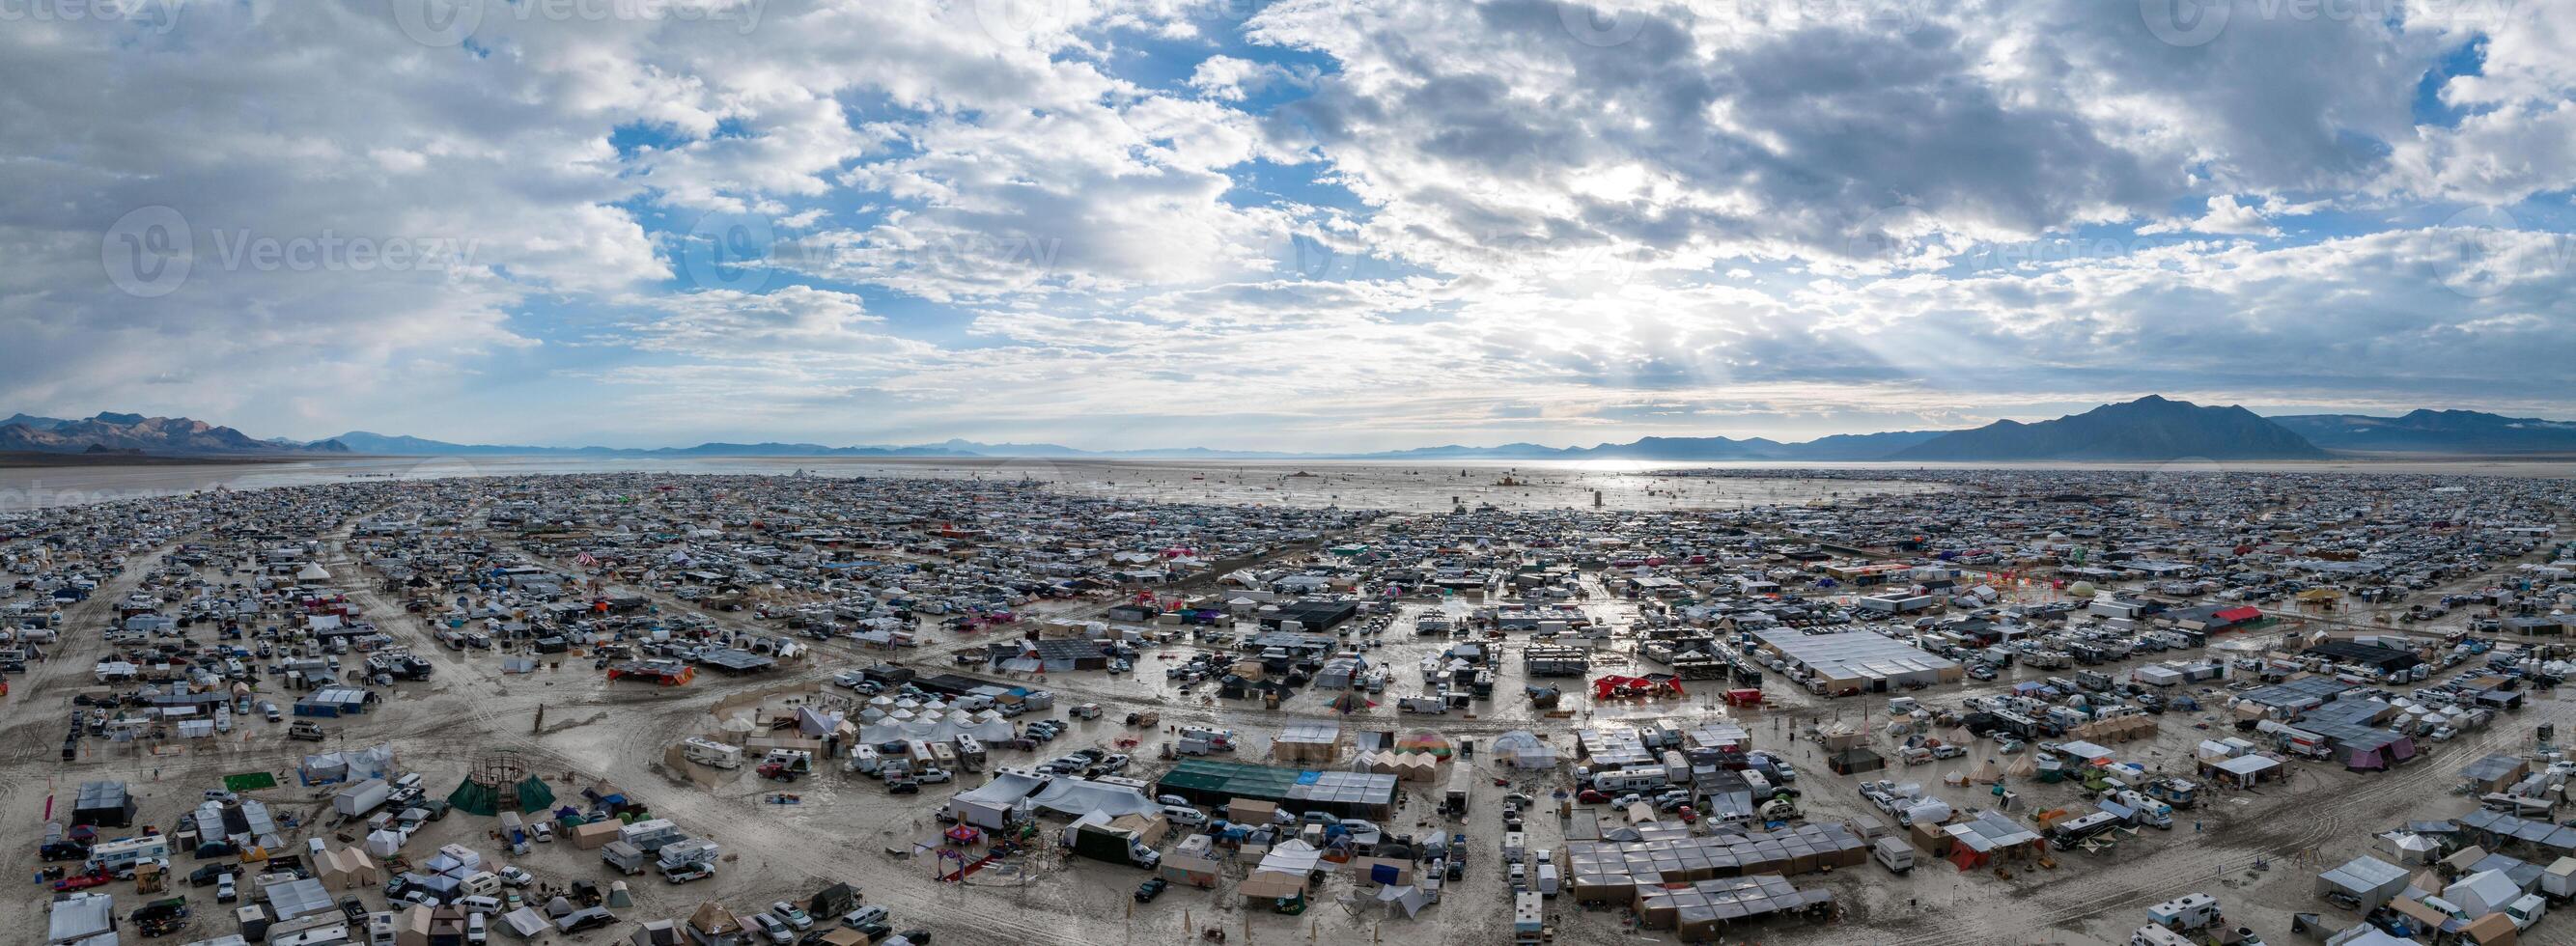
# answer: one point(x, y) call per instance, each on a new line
point(2149, 429)
point(135, 433)
point(2434, 432)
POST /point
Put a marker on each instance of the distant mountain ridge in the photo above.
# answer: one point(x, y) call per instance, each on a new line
point(135, 433)
point(2435, 432)
point(2150, 428)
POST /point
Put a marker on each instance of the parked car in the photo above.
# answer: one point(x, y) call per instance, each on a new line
point(687, 872)
point(788, 913)
point(772, 929)
point(1151, 888)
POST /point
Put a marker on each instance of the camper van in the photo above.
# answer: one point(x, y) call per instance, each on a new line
point(1630, 780)
point(708, 752)
point(121, 855)
point(863, 760)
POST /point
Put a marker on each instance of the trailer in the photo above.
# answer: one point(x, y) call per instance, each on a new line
point(627, 858)
point(361, 798)
point(710, 753)
point(1462, 783)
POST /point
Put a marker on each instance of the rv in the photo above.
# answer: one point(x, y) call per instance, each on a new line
point(1629, 780)
point(2070, 834)
point(1893, 854)
point(708, 752)
point(2185, 913)
point(121, 855)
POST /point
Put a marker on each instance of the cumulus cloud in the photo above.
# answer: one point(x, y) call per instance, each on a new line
point(1306, 223)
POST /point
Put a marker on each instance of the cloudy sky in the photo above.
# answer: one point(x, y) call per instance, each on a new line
point(1300, 224)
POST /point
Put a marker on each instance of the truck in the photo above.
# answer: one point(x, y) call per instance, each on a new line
point(1462, 782)
point(710, 753)
point(1116, 847)
point(692, 851)
point(305, 730)
point(360, 798)
point(1430, 705)
point(2185, 913)
point(2527, 910)
point(1529, 919)
point(627, 858)
point(1894, 854)
point(2558, 880)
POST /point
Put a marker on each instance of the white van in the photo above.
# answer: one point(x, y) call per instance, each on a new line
point(863, 916)
point(478, 904)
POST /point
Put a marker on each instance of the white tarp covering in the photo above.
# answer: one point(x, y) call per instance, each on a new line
point(1292, 856)
point(296, 898)
point(1077, 798)
point(1522, 749)
point(355, 766)
point(1407, 898)
point(903, 726)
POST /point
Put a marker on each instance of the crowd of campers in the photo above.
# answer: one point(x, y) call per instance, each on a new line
point(264, 877)
point(2490, 875)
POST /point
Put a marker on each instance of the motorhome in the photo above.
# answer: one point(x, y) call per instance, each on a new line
point(1630, 780)
point(709, 752)
point(2068, 835)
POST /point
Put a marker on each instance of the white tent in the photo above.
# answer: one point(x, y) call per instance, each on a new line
point(1522, 749)
point(385, 843)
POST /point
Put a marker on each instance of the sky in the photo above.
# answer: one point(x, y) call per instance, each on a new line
point(1288, 225)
